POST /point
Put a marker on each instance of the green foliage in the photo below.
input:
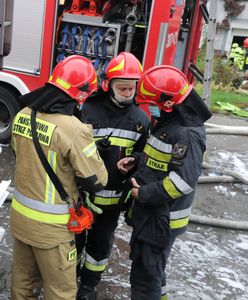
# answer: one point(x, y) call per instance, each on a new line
point(201, 57)
point(226, 96)
point(224, 74)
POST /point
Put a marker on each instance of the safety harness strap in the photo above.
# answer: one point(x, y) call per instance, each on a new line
point(64, 196)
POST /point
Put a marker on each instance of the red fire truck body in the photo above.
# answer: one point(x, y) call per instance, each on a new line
point(44, 32)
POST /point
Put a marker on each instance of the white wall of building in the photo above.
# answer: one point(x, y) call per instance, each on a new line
point(238, 27)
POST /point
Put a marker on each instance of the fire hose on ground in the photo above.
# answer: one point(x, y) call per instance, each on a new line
point(228, 176)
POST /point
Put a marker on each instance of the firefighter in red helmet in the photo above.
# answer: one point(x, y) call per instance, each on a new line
point(167, 174)
point(44, 252)
point(113, 114)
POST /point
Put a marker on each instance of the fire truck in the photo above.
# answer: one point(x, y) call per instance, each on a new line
point(46, 31)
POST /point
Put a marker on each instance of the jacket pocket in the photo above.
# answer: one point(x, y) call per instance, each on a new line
point(155, 232)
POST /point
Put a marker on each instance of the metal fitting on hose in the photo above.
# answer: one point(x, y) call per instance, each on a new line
point(131, 19)
point(110, 35)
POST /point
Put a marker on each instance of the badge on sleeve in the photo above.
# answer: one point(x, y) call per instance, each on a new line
point(179, 151)
point(139, 127)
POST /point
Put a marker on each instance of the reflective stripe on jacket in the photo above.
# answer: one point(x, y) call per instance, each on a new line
point(40, 211)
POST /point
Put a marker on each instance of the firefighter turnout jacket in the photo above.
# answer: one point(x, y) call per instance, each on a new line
point(168, 174)
point(39, 216)
point(128, 128)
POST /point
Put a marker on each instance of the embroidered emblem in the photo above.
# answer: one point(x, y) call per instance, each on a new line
point(139, 127)
point(179, 151)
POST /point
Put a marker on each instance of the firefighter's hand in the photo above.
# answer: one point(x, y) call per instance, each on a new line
point(126, 164)
point(135, 189)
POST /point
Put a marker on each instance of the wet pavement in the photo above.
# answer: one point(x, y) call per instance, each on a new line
point(206, 263)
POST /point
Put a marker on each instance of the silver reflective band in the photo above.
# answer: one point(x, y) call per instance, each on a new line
point(90, 149)
point(40, 206)
point(94, 262)
point(161, 46)
point(108, 194)
point(180, 214)
point(121, 133)
point(157, 144)
point(163, 290)
point(180, 183)
point(50, 188)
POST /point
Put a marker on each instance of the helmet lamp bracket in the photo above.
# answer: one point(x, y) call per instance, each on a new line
point(84, 87)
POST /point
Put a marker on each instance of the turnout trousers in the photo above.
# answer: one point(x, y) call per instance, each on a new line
point(34, 268)
point(147, 277)
point(98, 244)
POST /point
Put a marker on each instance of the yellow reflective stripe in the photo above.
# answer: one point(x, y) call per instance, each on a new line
point(157, 165)
point(120, 142)
point(13, 143)
point(120, 66)
point(144, 91)
point(139, 26)
point(50, 188)
point(44, 129)
point(170, 188)
point(63, 83)
point(176, 224)
point(165, 157)
point(95, 268)
point(129, 151)
point(94, 81)
point(90, 149)
point(164, 297)
point(72, 255)
point(184, 89)
point(39, 216)
point(105, 201)
point(141, 68)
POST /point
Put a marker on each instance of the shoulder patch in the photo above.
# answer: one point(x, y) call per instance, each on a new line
point(139, 127)
point(179, 151)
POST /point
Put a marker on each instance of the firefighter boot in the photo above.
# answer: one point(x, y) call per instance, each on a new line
point(85, 293)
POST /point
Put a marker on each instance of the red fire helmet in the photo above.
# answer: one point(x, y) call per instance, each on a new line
point(164, 86)
point(76, 76)
point(245, 43)
point(125, 66)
